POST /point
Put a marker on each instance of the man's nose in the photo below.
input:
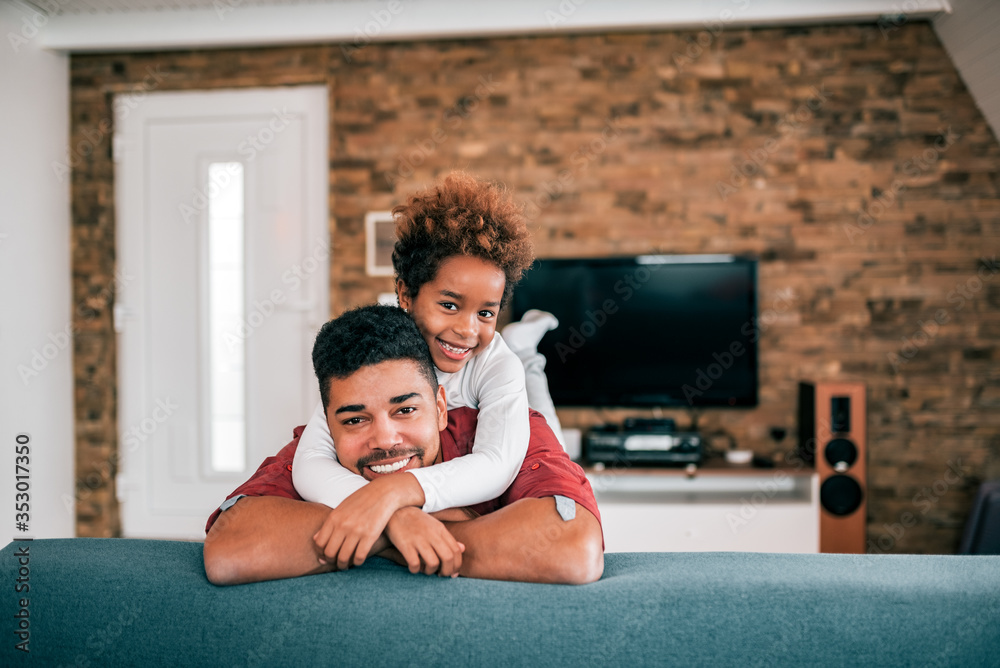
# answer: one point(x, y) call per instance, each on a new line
point(385, 435)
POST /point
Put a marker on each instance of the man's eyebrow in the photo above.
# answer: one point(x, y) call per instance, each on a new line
point(455, 295)
point(357, 408)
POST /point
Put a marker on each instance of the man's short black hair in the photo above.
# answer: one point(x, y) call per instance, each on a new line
point(367, 336)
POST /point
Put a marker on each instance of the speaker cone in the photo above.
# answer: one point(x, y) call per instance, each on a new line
point(840, 495)
point(840, 450)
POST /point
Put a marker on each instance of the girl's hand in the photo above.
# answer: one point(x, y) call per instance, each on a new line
point(351, 529)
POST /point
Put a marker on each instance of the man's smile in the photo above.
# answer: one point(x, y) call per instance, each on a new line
point(390, 461)
point(390, 468)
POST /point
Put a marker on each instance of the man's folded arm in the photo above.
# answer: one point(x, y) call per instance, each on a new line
point(265, 538)
point(529, 541)
point(269, 537)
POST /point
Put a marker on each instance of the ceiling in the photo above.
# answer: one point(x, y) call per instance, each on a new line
point(138, 25)
point(63, 7)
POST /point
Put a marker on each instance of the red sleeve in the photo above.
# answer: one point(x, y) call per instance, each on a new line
point(272, 478)
point(548, 471)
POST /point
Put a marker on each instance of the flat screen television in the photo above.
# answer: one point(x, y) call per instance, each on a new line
point(648, 330)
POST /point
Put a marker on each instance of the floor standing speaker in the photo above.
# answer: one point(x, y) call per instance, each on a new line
point(833, 436)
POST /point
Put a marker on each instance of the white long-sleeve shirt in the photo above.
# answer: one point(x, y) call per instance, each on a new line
point(493, 382)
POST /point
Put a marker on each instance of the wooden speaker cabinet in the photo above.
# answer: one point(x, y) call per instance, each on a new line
point(833, 436)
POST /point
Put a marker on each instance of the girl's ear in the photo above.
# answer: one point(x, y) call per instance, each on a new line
point(403, 295)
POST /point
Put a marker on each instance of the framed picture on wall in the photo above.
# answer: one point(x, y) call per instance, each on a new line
point(380, 237)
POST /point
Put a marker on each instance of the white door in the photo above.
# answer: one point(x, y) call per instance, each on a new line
point(223, 256)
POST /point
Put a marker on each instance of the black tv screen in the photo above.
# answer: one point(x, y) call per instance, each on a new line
point(650, 330)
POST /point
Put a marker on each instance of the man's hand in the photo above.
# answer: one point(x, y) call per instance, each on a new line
point(351, 529)
point(424, 543)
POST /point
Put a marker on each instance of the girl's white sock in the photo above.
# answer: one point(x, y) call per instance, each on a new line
point(524, 335)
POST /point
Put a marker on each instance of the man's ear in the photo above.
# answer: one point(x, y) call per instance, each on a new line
point(403, 295)
point(442, 406)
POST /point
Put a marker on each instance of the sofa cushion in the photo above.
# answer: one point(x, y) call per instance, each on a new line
point(96, 602)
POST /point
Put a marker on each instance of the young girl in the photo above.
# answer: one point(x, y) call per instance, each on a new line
point(461, 248)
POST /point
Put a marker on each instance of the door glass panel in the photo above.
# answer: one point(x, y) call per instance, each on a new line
point(227, 352)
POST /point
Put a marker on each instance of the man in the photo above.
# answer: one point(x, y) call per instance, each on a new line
point(388, 415)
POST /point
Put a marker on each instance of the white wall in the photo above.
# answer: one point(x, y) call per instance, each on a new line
point(35, 279)
point(970, 35)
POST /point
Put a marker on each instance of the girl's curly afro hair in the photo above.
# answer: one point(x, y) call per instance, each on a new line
point(460, 216)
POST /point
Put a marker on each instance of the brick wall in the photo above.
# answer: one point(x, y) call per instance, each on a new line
point(853, 163)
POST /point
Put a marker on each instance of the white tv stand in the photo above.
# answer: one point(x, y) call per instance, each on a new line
point(714, 508)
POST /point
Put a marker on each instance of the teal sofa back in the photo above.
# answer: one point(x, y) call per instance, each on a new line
point(101, 602)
